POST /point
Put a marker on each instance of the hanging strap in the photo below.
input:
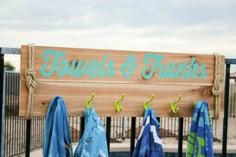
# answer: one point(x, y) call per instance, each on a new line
point(30, 76)
point(218, 85)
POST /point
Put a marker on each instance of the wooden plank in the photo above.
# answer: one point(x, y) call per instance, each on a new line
point(119, 58)
point(77, 90)
point(77, 94)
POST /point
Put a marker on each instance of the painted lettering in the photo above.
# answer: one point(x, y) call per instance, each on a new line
point(172, 69)
point(153, 63)
point(129, 66)
point(92, 68)
point(62, 68)
point(156, 62)
point(55, 56)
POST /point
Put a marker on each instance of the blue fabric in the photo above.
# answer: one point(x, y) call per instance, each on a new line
point(57, 138)
point(149, 144)
point(93, 142)
point(200, 139)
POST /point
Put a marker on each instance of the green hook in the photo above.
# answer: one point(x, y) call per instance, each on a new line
point(147, 104)
point(195, 103)
point(118, 105)
point(88, 104)
point(173, 106)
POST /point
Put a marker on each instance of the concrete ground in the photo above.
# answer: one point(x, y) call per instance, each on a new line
point(124, 147)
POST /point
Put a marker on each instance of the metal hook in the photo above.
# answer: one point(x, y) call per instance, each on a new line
point(118, 105)
point(194, 104)
point(89, 103)
point(122, 97)
point(179, 99)
point(146, 104)
point(151, 98)
point(93, 95)
point(173, 106)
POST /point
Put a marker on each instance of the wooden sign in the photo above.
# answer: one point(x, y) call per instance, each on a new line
point(76, 73)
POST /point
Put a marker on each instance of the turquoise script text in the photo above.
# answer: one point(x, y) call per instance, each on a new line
point(55, 62)
point(172, 69)
point(75, 68)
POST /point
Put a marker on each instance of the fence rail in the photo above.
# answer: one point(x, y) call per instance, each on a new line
point(15, 126)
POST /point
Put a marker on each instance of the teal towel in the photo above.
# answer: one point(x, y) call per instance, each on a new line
point(57, 138)
point(93, 142)
point(200, 139)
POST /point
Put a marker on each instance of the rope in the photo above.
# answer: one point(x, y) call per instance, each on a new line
point(217, 86)
point(30, 76)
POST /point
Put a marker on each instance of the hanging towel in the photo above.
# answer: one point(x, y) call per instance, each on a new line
point(200, 141)
point(149, 144)
point(57, 138)
point(93, 142)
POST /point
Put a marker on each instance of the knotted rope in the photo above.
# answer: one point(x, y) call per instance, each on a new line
point(30, 76)
point(217, 86)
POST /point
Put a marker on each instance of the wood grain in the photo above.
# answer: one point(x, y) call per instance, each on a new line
point(77, 94)
point(77, 90)
point(119, 58)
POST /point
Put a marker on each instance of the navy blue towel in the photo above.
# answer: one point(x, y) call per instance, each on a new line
point(149, 144)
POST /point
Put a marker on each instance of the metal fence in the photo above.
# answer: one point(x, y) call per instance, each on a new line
point(232, 100)
point(15, 126)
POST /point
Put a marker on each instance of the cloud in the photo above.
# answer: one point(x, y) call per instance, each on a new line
point(64, 15)
point(152, 25)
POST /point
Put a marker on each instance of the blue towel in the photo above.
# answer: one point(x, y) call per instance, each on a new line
point(93, 142)
point(149, 144)
point(57, 138)
point(200, 141)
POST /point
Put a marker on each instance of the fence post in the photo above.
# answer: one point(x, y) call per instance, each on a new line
point(226, 103)
point(180, 138)
point(123, 127)
point(28, 135)
point(132, 135)
point(1, 101)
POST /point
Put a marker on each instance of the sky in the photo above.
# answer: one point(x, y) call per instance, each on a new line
point(146, 25)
